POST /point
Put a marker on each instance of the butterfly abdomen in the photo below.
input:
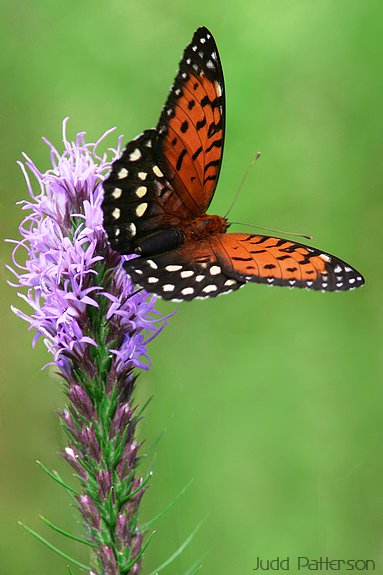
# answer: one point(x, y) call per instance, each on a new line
point(162, 241)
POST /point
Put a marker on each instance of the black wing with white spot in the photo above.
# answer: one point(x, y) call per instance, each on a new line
point(191, 271)
point(139, 199)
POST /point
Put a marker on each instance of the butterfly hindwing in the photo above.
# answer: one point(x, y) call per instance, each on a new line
point(188, 272)
point(280, 262)
point(225, 262)
point(192, 123)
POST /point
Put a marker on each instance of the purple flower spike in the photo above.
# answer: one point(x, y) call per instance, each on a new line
point(97, 328)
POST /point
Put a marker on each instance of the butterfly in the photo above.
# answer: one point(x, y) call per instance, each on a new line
point(159, 190)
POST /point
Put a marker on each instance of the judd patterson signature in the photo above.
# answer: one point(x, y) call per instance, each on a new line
point(303, 563)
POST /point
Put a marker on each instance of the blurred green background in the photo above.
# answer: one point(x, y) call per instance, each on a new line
point(271, 399)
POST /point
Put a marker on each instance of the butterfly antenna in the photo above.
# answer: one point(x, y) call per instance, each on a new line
point(307, 236)
point(257, 155)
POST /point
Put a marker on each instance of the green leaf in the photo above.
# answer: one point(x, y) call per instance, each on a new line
point(55, 476)
point(178, 552)
point(66, 534)
point(167, 508)
point(53, 548)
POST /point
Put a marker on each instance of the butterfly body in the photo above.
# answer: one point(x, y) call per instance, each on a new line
point(159, 190)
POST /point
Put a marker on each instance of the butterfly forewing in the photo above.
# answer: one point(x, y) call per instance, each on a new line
point(192, 123)
point(139, 199)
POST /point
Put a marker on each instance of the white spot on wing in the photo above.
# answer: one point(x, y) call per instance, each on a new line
point(142, 175)
point(168, 287)
point(141, 191)
point(135, 155)
point(325, 257)
point(141, 209)
point(152, 280)
point(209, 64)
point(116, 193)
point(123, 173)
point(230, 282)
point(187, 274)
point(152, 264)
point(116, 213)
point(199, 278)
point(187, 291)
point(157, 171)
point(132, 228)
point(214, 270)
point(173, 268)
point(210, 288)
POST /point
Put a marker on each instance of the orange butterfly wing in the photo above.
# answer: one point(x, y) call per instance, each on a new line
point(280, 262)
point(224, 262)
point(192, 124)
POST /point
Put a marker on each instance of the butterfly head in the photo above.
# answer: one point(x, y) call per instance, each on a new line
point(205, 226)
